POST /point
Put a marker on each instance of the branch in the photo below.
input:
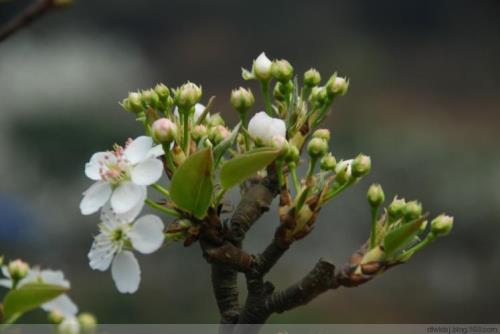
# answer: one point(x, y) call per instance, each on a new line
point(30, 14)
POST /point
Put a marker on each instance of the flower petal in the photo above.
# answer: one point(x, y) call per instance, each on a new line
point(55, 277)
point(259, 125)
point(137, 150)
point(69, 325)
point(101, 254)
point(93, 167)
point(130, 215)
point(126, 197)
point(147, 172)
point(6, 283)
point(156, 151)
point(146, 234)
point(95, 197)
point(63, 304)
point(126, 272)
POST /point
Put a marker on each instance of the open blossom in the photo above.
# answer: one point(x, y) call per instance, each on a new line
point(62, 304)
point(118, 236)
point(264, 127)
point(122, 176)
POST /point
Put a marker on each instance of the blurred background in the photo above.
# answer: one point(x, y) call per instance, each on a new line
point(423, 102)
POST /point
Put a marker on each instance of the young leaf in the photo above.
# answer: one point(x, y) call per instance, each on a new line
point(222, 147)
point(192, 185)
point(243, 166)
point(401, 236)
point(29, 297)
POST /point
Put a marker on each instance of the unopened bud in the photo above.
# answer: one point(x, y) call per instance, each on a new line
point(215, 120)
point(343, 171)
point(312, 77)
point(396, 208)
point(88, 322)
point(318, 95)
point(317, 147)
point(198, 132)
point(164, 130)
point(218, 133)
point(293, 154)
point(412, 210)
point(150, 98)
point(280, 142)
point(442, 225)
point(328, 162)
point(375, 195)
point(55, 317)
point(162, 91)
point(18, 269)
point(322, 133)
point(282, 70)
point(69, 325)
point(188, 95)
point(135, 101)
point(361, 165)
point(242, 99)
point(337, 85)
point(262, 67)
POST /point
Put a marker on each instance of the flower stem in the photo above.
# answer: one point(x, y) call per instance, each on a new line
point(264, 86)
point(373, 235)
point(163, 209)
point(295, 180)
point(160, 189)
point(244, 124)
point(185, 134)
point(428, 239)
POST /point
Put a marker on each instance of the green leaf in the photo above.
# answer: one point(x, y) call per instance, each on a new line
point(222, 147)
point(243, 166)
point(401, 236)
point(30, 296)
point(192, 185)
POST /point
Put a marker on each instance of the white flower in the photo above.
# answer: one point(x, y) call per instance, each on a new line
point(198, 110)
point(263, 127)
point(122, 176)
point(117, 236)
point(69, 325)
point(262, 67)
point(63, 304)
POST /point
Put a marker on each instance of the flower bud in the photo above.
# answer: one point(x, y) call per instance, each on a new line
point(162, 91)
point(18, 269)
point(69, 325)
point(322, 133)
point(55, 317)
point(396, 208)
point(216, 119)
point(188, 95)
point(361, 165)
point(375, 195)
point(337, 85)
point(218, 133)
point(317, 147)
point(328, 162)
point(442, 225)
point(164, 130)
point(343, 171)
point(293, 154)
point(198, 132)
point(263, 127)
point(242, 99)
point(318, 95)
point(150, 98)
point(262, 67)
point(412, 210)
point(280, 142)
point(88, 322)
point(282, 70)
point(312, 77)
point(135, 101)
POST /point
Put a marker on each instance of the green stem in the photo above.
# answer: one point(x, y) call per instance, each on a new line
point(312, 164)
point(279, 170)
point(295, 180)
point(244, 124)
point(219, 196)
point(373, 235)
point(161, 190)
point(161, 208)
point(185, 134)
point(334, 192)
point(264, 86)
point(430, 238)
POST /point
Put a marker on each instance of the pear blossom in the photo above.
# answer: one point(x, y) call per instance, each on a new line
point(262, 67)
point(119, 235)
point(264, 127)
point(62, 304)
point(122, 176)
point(198, 110)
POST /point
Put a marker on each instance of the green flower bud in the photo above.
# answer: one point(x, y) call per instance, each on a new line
point(322, 133)
point(88, 322)
point(361, 165)
point(282, 70)
point(343, 171)
point(135, 101)
point(317, 147)
point(318, 95)
point(337, 85)
point(187, 95)
point(164, 130)
point(396, 208)
point(198, 132)
point(293, 154)
point(328, 162)
point(262, 67)
point(312, 77)
point(375, 195)
point(215, 120)
point(150, 98)
point(280, 142)
point(242, 99)
point(441, 225)
point(218, 133)
point(55, 317)
point(162, 91)
point(18, 269)
point(412, 210)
